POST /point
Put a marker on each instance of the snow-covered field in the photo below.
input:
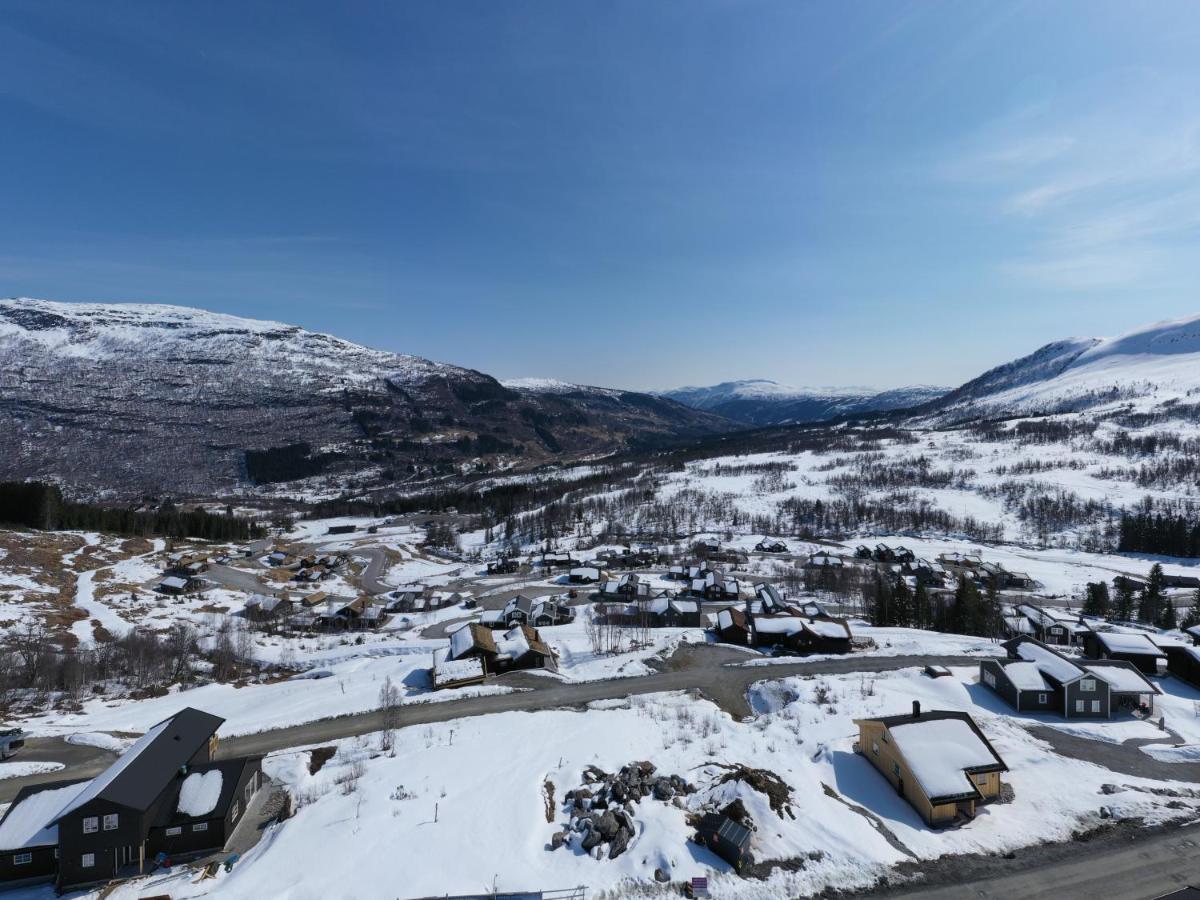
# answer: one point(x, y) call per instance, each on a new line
point(480, 783)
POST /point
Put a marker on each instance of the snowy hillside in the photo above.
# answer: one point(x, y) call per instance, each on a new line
point(1145, 369)
point(131, 399)
point(764, 402)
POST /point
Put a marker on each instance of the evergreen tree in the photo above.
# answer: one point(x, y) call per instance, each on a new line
point(1192, 616)
point(922, 615)
point(1150, 608)
point(1167, 618)
point(1096, 601)
point(901, 603)
point(1123, 606)
point(965, 610)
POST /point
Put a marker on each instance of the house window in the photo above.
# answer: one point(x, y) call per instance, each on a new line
point(233, 814)
point(110, 822)
point(249, 789)
point(981, 780)
point(1095, 706)
point(171, 832)
point(1087, 685)
point(200, 826)
point(989, 679)
point(875, 747)
point(90, 825)
point(1079, 705)
point(1042, 699)
point(22, 859)
point(896, 769)
point(87, 860)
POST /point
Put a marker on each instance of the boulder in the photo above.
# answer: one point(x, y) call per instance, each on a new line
point(607, 825)
point(661, 877)
point(619, 842)
point(558, 839)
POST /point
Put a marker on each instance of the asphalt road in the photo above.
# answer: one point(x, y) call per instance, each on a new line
point(723, 685)
point(80, 762)
point(1135, 866)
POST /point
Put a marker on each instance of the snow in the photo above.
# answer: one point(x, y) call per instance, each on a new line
point(461, 641)
point(458, 670)
point(200, 793)
point(778, 624)
point(1120, 678)
point(1050, 663)
point(1116, 642)
point(827, 629)
point(938, 750)
point(20, 768)
point(1026, 676)
point(100, 740)
point(29, 823)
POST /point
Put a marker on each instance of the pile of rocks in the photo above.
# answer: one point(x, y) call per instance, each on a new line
point(601, 812)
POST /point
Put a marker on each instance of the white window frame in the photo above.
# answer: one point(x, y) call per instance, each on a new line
point(1042, 699)
point(233, 813)
point(22, 859)
point(91, 824)
point(1079, 706)
point(112, 822)
point(174, 830)
point(87, 861)
point(200, 826)
point(1095, 706)
point(1087, 685)
point(875, 747)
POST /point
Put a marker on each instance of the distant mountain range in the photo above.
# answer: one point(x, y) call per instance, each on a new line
point(131, 399)
point(124, 400)
point(760, 402)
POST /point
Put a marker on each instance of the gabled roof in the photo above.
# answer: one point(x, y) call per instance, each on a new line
point(469, 637)
point(941, 748)
point(141, 773)
point(1051, 663)
point(1131, 643)
point(732, 617)
point(1122, 676)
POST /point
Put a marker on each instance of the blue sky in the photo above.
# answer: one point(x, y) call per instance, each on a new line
point(622, 193)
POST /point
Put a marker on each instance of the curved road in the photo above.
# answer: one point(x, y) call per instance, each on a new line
point(701, 668)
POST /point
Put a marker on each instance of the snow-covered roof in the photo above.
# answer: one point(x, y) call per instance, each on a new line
point(1026, 676)
point(938, 752)
point(29, 823)
point(778, 624)
point(492, 615)
point(173, 581)
point(724, 619)
point(457, 670)
point(1116, 642)
point(461, 641)
point(513, 644)
point(1057, 667)
point(585, 572)
point(199, 793)
point(686, 606)
point(1125, 679)
point(828, 629)
point(1194, 631)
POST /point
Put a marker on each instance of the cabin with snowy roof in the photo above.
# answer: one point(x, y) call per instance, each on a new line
point(939, 761)
point(1037, 678)
point(1133, 647)
point(1183, 661)
point(733, 626)
point(165, 794)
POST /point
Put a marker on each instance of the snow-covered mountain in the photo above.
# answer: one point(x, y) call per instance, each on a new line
point(1154, 367)
point(764, 402)
point(148, 398)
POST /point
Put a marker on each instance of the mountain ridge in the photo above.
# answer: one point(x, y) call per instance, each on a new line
point(148, 398)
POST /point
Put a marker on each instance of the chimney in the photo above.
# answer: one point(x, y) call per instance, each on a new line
point(916, 709)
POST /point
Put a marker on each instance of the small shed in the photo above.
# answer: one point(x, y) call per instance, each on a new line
point(728, 839)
